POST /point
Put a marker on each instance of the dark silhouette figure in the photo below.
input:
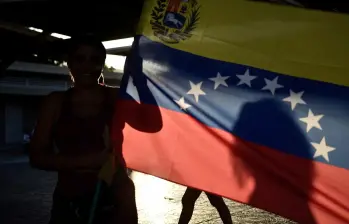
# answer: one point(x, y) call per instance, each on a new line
point(70, 138)
point(188, 201)
point(279, 185)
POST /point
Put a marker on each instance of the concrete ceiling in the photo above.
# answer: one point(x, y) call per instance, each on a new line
point(106, 19)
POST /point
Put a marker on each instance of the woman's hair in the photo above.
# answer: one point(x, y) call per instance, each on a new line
point(75, 42)
point(90, 40)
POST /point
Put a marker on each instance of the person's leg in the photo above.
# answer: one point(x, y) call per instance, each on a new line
point(221, 207)
point(188, 201)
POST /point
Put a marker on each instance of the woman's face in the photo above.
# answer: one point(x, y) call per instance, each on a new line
point(86, 65)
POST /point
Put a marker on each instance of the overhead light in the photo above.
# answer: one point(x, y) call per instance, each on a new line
point(35, 29)
point(110, 44)
point(119, 43)
point(57, 35)
point(61, 36)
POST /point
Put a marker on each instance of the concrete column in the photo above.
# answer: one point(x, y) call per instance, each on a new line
point(13, 124)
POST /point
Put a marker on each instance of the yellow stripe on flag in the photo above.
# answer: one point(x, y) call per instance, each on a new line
point(293, 41)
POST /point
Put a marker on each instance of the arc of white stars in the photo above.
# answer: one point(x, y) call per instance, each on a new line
point(312, 120)
point(246, 78)
point(272, 85)
point(182, 104)
point(196, 90)
point(219, 80)
point(322, 149)
point(295, 98)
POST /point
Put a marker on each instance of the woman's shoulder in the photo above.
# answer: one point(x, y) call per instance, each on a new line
point(50, 107)
point(55, 97)
point(53, 100)
point(113, 92)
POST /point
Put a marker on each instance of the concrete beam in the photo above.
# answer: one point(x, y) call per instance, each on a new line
point(23, 30)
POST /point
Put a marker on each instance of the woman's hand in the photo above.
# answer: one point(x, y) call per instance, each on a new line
point(95, 160)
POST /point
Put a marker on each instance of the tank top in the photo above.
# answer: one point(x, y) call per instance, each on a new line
point(74, 136)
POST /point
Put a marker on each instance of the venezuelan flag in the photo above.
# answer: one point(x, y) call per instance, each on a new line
point(254, 102)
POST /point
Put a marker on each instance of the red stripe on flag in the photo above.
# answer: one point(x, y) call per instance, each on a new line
point(187, 152)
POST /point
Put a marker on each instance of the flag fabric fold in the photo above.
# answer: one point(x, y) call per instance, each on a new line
point(254, 102)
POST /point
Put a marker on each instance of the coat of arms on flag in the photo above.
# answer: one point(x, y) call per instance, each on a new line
point(174, 20)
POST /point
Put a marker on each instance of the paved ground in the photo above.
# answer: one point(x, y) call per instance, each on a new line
point(26, 198)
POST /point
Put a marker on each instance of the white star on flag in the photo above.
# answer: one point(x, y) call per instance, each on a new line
point(246, 78)
point(312, 120)
point(219, 80)
point(295, 98)
point(196, 90)
point(182, 104)
point(322, 149)
point(272, 85)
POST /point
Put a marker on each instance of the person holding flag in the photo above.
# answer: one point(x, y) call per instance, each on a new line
point(77, 123)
